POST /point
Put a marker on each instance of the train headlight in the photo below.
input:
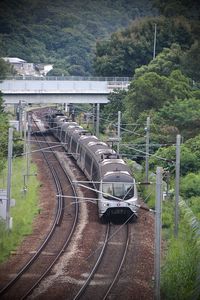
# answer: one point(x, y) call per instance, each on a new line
point(106, 204)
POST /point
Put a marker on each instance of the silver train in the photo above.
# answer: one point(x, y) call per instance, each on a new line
point(110, 175)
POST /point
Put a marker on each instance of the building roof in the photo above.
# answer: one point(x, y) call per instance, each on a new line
point(14, 60)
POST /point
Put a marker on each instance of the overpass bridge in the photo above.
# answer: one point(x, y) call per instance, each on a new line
point(47, 90)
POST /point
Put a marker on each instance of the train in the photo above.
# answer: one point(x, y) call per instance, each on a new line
point(111, 177)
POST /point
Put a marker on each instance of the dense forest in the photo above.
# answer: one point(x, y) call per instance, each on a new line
point(116, 38)
point(63, 32)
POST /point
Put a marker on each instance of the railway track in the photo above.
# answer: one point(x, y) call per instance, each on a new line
point(110, 257)
point(58, 238)
point(103, 261)
point(114, 246)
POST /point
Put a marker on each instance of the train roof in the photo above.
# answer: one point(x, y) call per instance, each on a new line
point(114, 166)
point(67, 124)
point(85, 139)
point(60, 119)
point(77, 134)
point(99, 150)
point(73, 129)
point(120, 176)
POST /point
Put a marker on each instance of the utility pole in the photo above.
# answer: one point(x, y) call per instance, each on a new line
point(28, 148)
point(9, 177)
point(178, 143)
point(118, 130)
point(147, 149)
point(25, 149)
point(97, 118)
point(94, 116)
point(25, 131)
point(154, 44)
point(158, 226)
point(20, 118)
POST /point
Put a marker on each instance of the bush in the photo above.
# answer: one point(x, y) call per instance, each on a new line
point(190, 185)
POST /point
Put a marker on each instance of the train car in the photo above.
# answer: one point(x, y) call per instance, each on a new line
point(110, 175)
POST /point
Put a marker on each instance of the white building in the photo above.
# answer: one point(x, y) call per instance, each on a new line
point(24, 68)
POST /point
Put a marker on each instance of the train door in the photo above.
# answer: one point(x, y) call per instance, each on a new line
point(77, 151)
point(82, 158)
point(64, 140)
point(70, 144)
point(61, 131)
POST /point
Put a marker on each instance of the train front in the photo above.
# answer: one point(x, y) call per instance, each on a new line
point(118, 195)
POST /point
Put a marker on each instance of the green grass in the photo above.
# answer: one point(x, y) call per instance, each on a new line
point(180, 271)
point(25, 210)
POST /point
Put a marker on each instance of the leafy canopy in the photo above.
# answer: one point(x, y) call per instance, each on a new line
point(132, 47)
point(152, 90)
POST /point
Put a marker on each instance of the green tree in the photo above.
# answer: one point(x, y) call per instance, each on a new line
point(50, 32)
point(153, 91)
point(166, 158)
point(109, 112)
point(191, 61)
point(133, 47)
point(164, 63)
point(170, 8)
point(190, 185)
point(5, 69)
point(183, 114)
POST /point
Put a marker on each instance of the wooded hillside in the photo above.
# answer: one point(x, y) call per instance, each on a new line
point(63, 32)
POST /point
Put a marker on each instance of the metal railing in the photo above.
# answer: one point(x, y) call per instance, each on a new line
point(70, 78)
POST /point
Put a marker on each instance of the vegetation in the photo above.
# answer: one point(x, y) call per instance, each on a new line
point(132, 47)
point(5, 69)
point(164, 88)
point(23, 212)
point(3, 140)
point(170, 8)
point(63, 32)
point(3, 119)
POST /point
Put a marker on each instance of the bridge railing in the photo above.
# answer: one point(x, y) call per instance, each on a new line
point(70, 78)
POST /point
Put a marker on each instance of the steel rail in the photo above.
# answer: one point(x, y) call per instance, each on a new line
point(84, 286)
point(47, 238)
point(120, 266)
point(101, 255)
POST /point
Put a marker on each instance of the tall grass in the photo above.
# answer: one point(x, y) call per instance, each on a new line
point(180, 272)
point(23, 212)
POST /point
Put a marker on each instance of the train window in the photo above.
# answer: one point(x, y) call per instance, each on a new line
point(70, 144)
point(73, 147)
point(119, 190)
point(78, 148)
point(94, 171)
point(63, 136)
point(88, 162)
point(67, 139)
point(128, 191)
point(107, 190)
point(82, 155)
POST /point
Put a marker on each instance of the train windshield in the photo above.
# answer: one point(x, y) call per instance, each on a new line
point(118, 190)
